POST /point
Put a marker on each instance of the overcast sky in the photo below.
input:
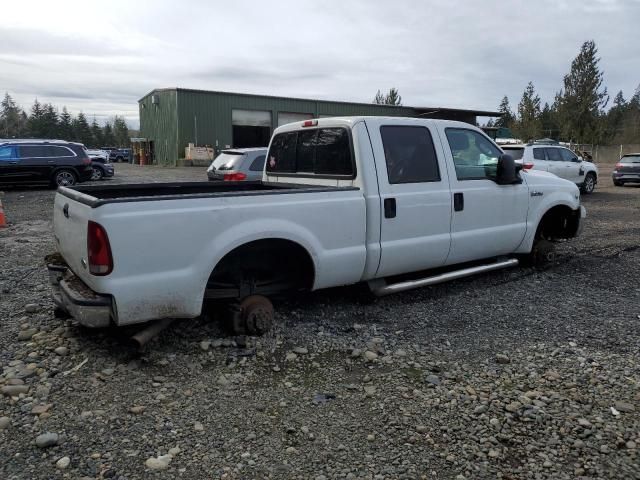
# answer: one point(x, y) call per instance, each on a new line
point(101, 57)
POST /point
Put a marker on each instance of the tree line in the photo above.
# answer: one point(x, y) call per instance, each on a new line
point(45, 121)
point(577, 113)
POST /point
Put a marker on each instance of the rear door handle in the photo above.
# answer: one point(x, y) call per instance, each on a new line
point(13, 163)
point(51, 161)
point(389, 208)
point(458, 202)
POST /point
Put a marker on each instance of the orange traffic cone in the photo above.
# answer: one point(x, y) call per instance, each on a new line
point(3, 220)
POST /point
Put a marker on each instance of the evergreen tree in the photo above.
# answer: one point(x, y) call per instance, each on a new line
point(35, 125)
point(50, 122)
point(507, 119)
point(96, 133)
point(12, 118)
point(548, 122)
point(391, 98)
point(65, 127)
point(583, 98)
point(107, 136)
point(529, 125)
point(81, 130)
point(121, 131)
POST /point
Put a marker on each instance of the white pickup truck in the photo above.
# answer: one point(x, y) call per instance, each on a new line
point(395, 202)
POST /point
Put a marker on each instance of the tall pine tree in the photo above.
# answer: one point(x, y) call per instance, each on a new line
point(507, 119)
point(583, 98)
point(529, 125)
point(65, 126)
point(81, 130)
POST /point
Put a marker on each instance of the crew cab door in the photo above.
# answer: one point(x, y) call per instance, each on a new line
point(488, 219)
point(414, 196)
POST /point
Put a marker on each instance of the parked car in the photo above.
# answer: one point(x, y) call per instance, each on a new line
point(51, 162)
point(558, 160)
point(627, 170)
point(118, 154)
point(238, 164)
point(100, 164)
point(342, 201)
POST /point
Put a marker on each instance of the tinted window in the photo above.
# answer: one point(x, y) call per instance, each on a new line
point(333, 152)
point(59, 152)
point(474, 156)
point(516, 153)
point(567, 155)
point(538, 154)
point(282, 154)
point(630, 159)
point(409, 154)
point(553, 154)
point(305, 150)
point(34, 151)
point(258, 164)
point(6, 153)
point(325, 151)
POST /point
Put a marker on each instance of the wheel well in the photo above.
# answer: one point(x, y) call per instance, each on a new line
point(67, 169)
point(262, 267)
point(558, 222)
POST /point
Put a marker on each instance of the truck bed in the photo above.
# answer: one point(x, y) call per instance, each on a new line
point(97, 195)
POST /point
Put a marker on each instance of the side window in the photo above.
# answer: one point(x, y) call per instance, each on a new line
point(59, 152)
point(538, 154)
point(567, 155)
point(474, 156)
point(324, 151)
point(33, 151)
point(6, 154)
point(258, 164)
point(409, 154)
point(553, 154)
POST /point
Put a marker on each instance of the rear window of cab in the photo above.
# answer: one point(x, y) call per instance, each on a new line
point(320, 151)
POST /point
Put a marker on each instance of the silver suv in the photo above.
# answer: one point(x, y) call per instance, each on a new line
point(238, 164)
point(558, 160)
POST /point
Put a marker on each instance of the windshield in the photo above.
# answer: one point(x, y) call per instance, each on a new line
point(630, 159)
point(227, 160)
point(516, 153)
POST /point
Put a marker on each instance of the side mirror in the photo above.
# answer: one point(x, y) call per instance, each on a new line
point(577, 160)
point(508, 172)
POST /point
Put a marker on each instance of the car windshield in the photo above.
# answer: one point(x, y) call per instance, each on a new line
point(516, 153)
point(227, 160)
point(630, 159)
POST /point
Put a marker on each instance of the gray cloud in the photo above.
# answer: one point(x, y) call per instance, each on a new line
point(102, 58)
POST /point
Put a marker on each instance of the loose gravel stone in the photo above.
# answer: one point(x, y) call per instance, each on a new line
point(5, 422)
point(32, 308)
point(63, 463)
point(27, 334)
point(62, 351)
point(158, 463)
point(503, 359)
point(14, 390)
point(370, 356)
point(46, 440)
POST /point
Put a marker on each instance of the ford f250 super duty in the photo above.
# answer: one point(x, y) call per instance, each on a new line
point(395, 202)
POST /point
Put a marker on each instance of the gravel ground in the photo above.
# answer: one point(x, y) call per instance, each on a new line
point(515, 374)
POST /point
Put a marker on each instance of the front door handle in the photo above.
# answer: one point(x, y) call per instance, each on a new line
point(13, 163)
point(458, 202)
point(51, 161)
point(389, 208)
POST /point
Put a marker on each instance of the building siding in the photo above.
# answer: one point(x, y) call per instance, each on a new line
point(204, 117)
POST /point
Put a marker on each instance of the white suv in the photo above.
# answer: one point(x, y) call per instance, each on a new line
point(558, 160)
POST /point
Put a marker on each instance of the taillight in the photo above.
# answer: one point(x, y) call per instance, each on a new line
point(234, 177)
point(86, 161)
point(527, 165)
point(98, 250)
point(310, 123)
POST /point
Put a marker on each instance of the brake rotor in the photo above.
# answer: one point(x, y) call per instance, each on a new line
point(256, 312)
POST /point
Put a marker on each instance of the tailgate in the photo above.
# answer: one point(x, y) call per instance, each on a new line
point(70, 219)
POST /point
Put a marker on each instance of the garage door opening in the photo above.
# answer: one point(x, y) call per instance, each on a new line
point(251, 128)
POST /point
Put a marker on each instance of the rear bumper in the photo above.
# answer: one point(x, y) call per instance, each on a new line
point(73, 296)
point(623, 177)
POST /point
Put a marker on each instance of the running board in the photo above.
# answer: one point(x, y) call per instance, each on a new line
point(380, 288)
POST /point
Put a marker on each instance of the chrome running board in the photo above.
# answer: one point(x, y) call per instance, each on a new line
point(380, 288)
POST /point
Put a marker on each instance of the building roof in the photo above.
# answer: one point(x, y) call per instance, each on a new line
point(419, 110)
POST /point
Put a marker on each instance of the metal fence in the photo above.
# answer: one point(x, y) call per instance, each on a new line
point(606, 153)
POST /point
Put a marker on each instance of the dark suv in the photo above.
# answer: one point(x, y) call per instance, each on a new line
point(51, 162)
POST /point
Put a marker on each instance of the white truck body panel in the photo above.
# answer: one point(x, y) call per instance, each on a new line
point(164, 250)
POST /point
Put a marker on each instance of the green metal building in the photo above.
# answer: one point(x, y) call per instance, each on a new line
point(172, 118)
